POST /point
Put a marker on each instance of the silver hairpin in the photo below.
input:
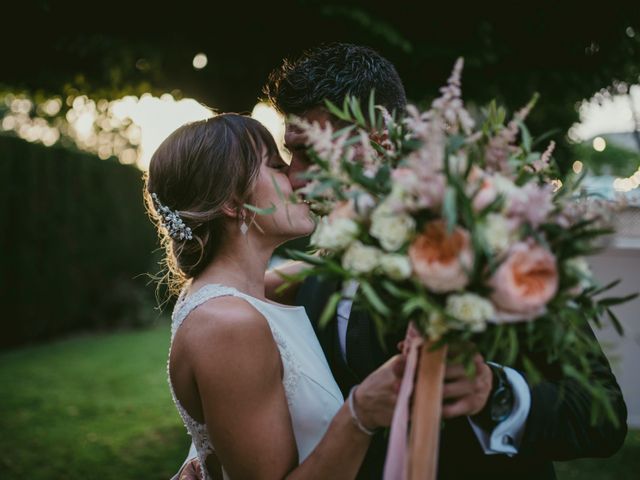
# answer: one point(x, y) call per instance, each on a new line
point(172, 221)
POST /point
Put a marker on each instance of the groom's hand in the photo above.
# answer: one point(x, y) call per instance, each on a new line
point(466, 395)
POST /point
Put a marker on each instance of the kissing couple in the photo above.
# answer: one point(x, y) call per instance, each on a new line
point(259, 385)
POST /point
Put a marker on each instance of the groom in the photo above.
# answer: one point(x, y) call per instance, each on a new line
point(496, 425)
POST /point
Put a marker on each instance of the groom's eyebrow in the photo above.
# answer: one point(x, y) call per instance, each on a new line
point(296, 147)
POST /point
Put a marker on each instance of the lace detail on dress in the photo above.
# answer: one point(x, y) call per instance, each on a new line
point(291, 374)
point(198, 433)
point(185, 304)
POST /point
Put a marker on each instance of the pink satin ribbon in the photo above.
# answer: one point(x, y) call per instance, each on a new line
point(395, 466)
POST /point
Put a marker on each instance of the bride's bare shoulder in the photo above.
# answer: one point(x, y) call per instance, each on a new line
point(224, 324)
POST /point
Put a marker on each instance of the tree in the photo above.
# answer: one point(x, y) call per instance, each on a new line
point(566, 50)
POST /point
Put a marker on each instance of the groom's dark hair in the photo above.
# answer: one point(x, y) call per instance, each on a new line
point(331, 72)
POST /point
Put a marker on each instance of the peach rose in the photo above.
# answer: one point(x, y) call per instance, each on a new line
point(524, 282)
point(441, 261)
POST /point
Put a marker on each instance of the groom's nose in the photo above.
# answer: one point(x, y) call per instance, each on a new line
point(295, 142)
point(298, 166)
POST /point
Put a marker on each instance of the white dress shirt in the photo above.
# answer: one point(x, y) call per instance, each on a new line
point(507, 435)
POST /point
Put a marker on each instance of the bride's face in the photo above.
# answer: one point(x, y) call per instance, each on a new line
point(290, 219)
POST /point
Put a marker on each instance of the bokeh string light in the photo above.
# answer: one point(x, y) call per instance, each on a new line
point(130, 128)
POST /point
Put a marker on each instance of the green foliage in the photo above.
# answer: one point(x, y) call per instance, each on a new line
point(75, 243)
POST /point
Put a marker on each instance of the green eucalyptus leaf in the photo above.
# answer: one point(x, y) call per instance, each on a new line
point(261, 211)
point(615, 322)
point(335, 111)
point(526, 136)
point(373, 299)
point(372, 108)
point(354, 104)
point(329, 310)
point(305, 257)
point(449, 211)
point(611, 301)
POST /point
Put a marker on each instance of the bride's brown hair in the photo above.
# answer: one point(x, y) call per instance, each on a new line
point(200, 168)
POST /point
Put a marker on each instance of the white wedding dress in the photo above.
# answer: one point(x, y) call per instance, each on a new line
point(312, 393)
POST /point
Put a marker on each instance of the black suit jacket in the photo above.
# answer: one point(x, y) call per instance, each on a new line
point(557, 428)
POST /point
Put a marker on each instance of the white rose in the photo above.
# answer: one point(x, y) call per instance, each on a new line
point(364, 203)
point(397, 267)
point(580, 267)
point(470, 309)
point(360, 258)
point(390, 228)
point(497, 232)
point(334, 235)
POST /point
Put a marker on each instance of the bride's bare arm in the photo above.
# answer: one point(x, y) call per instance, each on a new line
point(272, 280)
point(238, 372)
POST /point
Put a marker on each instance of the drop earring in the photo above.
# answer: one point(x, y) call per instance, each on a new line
point(244, 228)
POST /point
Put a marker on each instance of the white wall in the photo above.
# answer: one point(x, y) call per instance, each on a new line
point(622, 260)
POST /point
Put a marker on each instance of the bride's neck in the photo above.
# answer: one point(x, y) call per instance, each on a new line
point(240, 264)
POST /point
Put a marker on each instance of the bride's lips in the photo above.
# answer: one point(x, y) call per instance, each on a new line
point(302, 198)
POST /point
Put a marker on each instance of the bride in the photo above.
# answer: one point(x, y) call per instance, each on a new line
point(248, 375)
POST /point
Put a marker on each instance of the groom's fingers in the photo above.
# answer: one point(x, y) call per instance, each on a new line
point(458, 389)
point(456, 409)
point(454, 372)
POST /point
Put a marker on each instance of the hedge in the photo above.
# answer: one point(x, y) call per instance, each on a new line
point(75, 243)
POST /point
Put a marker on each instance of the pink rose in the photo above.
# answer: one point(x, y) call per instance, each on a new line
point(441, 261)
point(525, 282)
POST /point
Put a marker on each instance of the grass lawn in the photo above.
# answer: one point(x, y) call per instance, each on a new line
point(90, 407)
point(98, 407)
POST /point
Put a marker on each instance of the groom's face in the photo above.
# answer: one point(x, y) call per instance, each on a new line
point(296, 143)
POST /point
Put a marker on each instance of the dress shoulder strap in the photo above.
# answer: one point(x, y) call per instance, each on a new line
point(186, 303)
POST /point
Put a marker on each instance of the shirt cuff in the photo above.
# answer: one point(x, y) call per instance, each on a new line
point(507, 435)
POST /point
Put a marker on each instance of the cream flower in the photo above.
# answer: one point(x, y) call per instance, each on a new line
point(360, 258)
point(390, 228)
point(471, 310)
point(334, 235)
point(497, 232)
point(579, 267)
point(396, 267)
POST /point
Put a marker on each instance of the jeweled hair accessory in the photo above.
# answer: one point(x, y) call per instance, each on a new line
point(172, 221)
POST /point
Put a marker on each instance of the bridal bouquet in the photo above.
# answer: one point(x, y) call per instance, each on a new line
point(458, 230)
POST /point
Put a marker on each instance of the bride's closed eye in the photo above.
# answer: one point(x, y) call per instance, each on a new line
point(278, 164)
